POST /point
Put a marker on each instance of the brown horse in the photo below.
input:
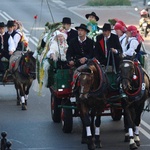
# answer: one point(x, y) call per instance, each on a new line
point(136, 86)
point(23, 69)
point(89, 86)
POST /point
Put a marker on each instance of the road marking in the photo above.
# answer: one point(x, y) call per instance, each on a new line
point(133, 14)
point(59, 2)
point(7, 17)
point(145, 133)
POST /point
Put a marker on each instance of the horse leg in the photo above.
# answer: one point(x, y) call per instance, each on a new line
point(27, 92)
point(97, 131)
point(130, 114)
point(17, 91)
point(87, 123)
point(24, 107)
point(137, 123)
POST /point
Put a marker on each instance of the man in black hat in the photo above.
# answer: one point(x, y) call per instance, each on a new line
point(80, 48)
point(15, 35)
point(7, 45)
point(106, 45)
point(92, 25)
point(71, 33)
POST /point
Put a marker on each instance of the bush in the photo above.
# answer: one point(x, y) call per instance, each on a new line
point(108, 2)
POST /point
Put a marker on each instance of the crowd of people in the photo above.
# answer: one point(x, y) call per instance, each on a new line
point(11, 39)
point(73, 46)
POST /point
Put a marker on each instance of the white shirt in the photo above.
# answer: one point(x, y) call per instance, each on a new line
point(11, 44)
point(122, 40)
point(132, 47)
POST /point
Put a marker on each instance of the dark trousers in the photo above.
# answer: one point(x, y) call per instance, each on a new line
point(6, 55)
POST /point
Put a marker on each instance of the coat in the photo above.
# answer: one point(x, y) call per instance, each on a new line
point(112, 42)
point(71, 35)
point(77, 50)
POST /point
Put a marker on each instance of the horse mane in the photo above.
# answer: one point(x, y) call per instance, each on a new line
point(100, 79)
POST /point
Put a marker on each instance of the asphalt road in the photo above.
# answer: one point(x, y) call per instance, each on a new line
point(34, 129)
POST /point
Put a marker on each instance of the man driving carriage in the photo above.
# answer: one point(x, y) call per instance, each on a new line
point(81, 48)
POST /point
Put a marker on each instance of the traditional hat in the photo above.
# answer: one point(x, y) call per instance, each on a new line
point(2, 24)
point(121, 22)
point(92, 14)
point(10, 23)
point(82, 26)
point(119, 26)
point(133, 30)
point(67, 20)
point(57, 32)
point(106, 27)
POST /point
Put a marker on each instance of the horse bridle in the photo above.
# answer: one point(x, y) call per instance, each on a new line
point(76, 81)
point(138, 92)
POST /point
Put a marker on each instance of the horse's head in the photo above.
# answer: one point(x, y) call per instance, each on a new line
point(28, 65)
point(127, 73)
point(82, 80)
point(85, 81)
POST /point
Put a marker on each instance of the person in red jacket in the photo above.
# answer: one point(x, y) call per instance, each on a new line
point(108, 48)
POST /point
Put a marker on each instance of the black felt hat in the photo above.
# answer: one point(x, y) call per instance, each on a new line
point(10, 23)
point(82, 26)
point(2, 24)
point(106, 27)
point(92, 14)
point(67, 20)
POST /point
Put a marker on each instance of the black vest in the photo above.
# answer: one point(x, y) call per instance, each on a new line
point(5, 42)
point(20, 44)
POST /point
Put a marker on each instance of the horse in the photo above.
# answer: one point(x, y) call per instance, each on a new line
point(135, 84)
point(22, 66)
point(89, 86)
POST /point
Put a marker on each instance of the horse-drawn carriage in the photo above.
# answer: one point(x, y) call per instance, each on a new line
point(64, 101)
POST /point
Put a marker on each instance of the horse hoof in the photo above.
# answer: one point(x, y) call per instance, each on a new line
point(91, 145)
point(137, 143)
point(127, 139)
point(133, 146)
point(24, 106)
point(84, 141)
point(98, 144)
point(18, 103)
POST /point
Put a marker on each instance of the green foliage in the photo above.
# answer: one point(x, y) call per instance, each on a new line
point(108, 2)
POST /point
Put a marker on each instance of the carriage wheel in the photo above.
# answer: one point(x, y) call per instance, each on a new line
point(116, 113)
point(55, 111)
point(67, 120)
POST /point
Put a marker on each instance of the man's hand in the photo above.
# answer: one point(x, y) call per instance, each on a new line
point(114, 50)
point(11, 52)
point(82, 60)
point(71, 63)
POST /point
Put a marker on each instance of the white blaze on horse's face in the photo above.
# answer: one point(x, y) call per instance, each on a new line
point(126, 65)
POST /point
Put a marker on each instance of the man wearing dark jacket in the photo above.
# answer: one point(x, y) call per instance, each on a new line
point(80, 48)
point(71, 33)
point(107, 47)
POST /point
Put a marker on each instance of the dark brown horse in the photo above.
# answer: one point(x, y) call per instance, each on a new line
point(89, 85)
point(22, 67)
point(136, 86)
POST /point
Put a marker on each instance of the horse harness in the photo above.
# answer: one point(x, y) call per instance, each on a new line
point(102, 82)
point(138, 92)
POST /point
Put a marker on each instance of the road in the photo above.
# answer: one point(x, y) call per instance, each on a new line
point(34, 129)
